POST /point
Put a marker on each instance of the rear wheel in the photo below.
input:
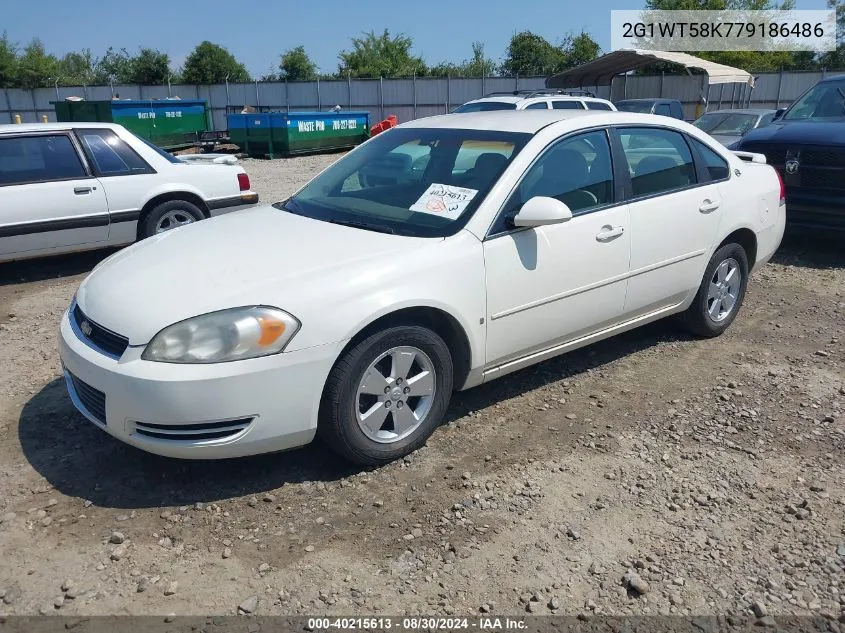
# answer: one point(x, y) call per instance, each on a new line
point(169, 215)
point(720, 294)
point(386, 395)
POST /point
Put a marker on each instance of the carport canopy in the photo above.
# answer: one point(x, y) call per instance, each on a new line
point(600, 71)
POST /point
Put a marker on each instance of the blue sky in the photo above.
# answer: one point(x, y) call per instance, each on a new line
point(257, 32)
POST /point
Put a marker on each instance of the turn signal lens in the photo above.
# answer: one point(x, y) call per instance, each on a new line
point(271, 330)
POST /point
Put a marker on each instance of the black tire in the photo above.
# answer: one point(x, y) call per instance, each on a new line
point(697, 318)
point(150, 220)
point(338, 424)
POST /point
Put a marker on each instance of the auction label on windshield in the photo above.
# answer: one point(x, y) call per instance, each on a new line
point(732, 30)
point(444, 200)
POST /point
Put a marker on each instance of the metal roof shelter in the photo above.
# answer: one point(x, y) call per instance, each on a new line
point(601, 71)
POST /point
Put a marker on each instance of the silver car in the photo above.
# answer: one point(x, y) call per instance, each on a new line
point(728, 126)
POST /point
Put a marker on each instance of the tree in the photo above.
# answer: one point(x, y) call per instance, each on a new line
point(580, 49)
point(377, 56)
point(532, 54)
point(477, 66)
point(36, 68)
point(77, 68)
point(835, 60)
point(150, 68)
point(8, 62)
point(210, 63)
point(295, 65)
point(114, 66)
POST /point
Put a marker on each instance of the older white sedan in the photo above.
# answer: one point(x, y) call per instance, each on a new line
point(442, 254)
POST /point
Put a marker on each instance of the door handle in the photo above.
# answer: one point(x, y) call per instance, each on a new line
point(81, 191)
point(608, 233)
point(707, 206)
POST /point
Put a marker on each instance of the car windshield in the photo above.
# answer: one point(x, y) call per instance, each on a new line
point(485, 106)
point(727, 123)
point(635, 106)
point(823, 102)
point(164, 154)
point(417, 182)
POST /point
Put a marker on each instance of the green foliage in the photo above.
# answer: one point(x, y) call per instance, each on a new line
point(35, 67)
point(77, 69)
point(295, 65)
point(477, 66)
point(210, 63)
point(8, 62)
point(150, 67)
point(531, 54)
point(375, 56)
point(114, 66)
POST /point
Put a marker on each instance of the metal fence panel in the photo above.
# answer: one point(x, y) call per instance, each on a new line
point(365, 92)
point(432, 92)
point(399, 92)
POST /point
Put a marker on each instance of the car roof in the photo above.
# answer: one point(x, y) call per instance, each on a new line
point(11, 128)
point(532, 121)
point(742, 111)
point(651, 100)
point(833, 78)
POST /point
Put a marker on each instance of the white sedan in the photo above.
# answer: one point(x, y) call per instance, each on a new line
point(76, 186)
point(353, 309)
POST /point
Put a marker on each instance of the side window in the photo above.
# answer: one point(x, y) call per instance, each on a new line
point(765, 120)
point(717, 166)
point(658, 160)
point(597, 105)
point(567, 105)
point(663, 109)
point(577, 171)
point(40, 158)
point(540, 105)
point(110, 155)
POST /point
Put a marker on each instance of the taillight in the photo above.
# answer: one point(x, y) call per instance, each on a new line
point(782, 187)
point(243, 182)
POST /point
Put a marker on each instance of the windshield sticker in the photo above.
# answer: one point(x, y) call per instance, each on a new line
point(444, 200)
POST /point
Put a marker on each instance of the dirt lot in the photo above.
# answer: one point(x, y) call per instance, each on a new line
point(652, 473)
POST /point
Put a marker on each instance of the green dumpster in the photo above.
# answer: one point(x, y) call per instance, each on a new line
point(285, 133)
point(169, 123)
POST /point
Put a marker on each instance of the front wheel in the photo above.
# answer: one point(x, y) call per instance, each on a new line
point(720, 294)
point(386, 395)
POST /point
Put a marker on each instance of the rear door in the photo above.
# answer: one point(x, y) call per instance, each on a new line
point(49, 199)
point(675, 215)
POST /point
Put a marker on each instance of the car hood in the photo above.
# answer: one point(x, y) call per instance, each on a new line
point(726, 139)
point(261, 256)
point(798, 132)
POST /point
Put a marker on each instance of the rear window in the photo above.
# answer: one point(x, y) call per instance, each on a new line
point(485, 106)
point(567, 105)
point(42, 158)
point(598, 105)
point(634, 106)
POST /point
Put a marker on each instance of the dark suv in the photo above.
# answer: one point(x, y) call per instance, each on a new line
point(807, 146)
point(665, 107)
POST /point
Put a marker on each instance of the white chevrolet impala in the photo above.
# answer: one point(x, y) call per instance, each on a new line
point(442, 254)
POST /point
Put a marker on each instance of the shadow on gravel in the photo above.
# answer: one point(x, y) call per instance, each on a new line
point(42, 268)
point(810, 249)
point(80, 460)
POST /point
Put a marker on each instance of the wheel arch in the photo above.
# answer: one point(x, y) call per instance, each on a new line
point(167, 196)
point(747, 239)
point(437, 319)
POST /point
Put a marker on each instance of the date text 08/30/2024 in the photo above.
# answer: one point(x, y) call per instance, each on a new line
point(416, 624)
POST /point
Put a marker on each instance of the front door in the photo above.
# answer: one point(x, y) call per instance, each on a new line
point(556, 283)
point(47, 197)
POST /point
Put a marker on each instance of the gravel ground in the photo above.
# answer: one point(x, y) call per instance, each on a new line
point(649, 474)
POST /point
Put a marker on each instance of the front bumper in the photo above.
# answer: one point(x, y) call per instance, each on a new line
point(198, 411)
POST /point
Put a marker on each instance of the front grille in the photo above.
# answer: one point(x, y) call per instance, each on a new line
point(92, 399)
point(192, 432)
point(818, 168)
point(99, 337)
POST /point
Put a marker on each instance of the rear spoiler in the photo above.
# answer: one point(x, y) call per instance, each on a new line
point(751, 157)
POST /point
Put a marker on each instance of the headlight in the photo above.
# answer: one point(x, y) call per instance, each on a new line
point(223, 336)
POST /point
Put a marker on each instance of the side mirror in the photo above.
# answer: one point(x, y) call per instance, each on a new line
point(540, 211)
point(778, 113)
